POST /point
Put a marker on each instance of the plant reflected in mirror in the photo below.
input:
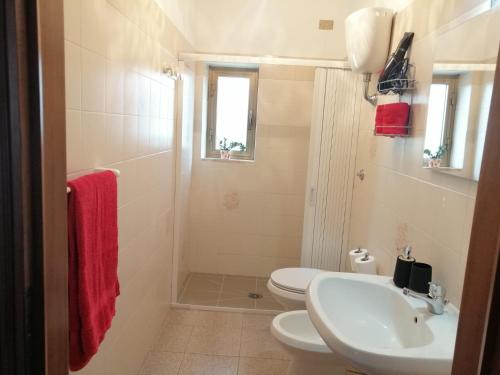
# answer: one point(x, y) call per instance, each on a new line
point(460, 96)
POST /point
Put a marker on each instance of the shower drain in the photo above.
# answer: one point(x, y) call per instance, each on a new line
point(254, 295)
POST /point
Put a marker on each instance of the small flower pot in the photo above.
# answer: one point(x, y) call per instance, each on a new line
point(434, 163)
point(224, 155)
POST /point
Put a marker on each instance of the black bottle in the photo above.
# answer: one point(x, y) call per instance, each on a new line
point(402, 271)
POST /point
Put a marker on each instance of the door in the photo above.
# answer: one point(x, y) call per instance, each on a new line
point(332, 158)
point(33, 254)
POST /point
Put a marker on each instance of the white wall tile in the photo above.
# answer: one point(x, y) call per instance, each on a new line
point(93, 82)
point(104, 51)
point(73, 75)
point(284, 102)
point(130, 137)
point(144, 95)
point(130, 100)
point(94, 139)
point(74, 141)
point(115, 75)
point(93, 21)
point(114, 138)
point(72, 20)
point(115, 34)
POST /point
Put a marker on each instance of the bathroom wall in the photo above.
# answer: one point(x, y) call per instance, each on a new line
point(120, 114)
point(246, 216)
point(399, 202)
point(277, 28)
point(181, 13)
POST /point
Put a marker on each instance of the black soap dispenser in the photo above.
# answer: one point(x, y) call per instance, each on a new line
point(404, 263)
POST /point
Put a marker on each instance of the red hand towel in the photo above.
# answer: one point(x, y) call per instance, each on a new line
point(93, 263)
point(392, 118)
point(396, 118)
point(379, 120)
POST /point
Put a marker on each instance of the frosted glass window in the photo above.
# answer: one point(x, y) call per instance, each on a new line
point(232, 109)
point(441, 116)
point(231, 113)
point(436, 116)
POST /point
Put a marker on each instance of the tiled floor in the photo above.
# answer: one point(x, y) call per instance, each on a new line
point(227, 291)
point(195, 342)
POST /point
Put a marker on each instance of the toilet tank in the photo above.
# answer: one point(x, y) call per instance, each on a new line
point(368, 34)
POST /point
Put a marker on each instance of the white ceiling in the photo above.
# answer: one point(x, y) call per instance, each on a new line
point(267, 27)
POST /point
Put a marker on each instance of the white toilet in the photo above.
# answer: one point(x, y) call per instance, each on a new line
point(288, 286)
point(309, 353)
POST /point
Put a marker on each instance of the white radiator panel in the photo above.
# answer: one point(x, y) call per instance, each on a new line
point(331, 168)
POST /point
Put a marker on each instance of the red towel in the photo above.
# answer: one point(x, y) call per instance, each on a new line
point(379, 116)
point(392, 118)
point(93, 262)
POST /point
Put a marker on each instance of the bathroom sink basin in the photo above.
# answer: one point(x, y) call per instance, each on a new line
point(367, 320)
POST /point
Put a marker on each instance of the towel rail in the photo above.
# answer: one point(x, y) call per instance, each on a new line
point(115, 171)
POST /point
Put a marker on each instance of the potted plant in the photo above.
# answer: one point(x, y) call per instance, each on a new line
point(434, 159)
point(226, 148)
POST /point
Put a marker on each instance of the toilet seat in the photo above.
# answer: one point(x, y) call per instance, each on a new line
point(293, 280)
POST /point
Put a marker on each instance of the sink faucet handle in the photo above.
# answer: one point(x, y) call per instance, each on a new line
point(436, 290)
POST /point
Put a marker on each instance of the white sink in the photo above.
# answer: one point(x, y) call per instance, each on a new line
point(367, 320)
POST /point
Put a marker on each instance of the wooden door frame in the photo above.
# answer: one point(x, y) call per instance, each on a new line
point(52, 109)
point(477, 349)
point(33, 252)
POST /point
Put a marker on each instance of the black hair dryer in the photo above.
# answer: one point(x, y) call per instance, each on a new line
point(393, 77)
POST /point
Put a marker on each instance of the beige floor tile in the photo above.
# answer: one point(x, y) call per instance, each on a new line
point(200, 298)
point(257, 321)
point(267, 302)
point(261, 344)
point(162, 363)
point(198, 364)
point(204, 283)
point(228, 291)
point(215, 340)
point(260, 366)
point(182, 317)
point(219, 319)
point(173, 338)
point(208, 276)
point(239, 285)
point(236, 301)
point(262, 284)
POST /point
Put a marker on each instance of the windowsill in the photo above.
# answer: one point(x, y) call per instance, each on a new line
point(444, 168)
point(228, 160)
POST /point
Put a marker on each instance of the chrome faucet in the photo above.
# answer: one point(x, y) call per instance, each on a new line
point(436, 300)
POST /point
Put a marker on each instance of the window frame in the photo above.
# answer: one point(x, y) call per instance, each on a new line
point(214, 72)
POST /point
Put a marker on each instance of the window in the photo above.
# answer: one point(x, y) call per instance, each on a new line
point(232, 104)
point(440, 115)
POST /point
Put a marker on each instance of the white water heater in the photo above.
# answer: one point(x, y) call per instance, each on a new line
point(368, 35)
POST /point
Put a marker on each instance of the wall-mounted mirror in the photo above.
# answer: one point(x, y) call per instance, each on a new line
point(460, 96)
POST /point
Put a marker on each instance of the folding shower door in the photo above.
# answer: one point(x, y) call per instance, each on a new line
point(331, 167)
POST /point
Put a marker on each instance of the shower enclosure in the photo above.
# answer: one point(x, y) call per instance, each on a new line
point(239, 220)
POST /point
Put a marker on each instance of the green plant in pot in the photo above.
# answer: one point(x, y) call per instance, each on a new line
point(226, 147)
point(434, 159)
